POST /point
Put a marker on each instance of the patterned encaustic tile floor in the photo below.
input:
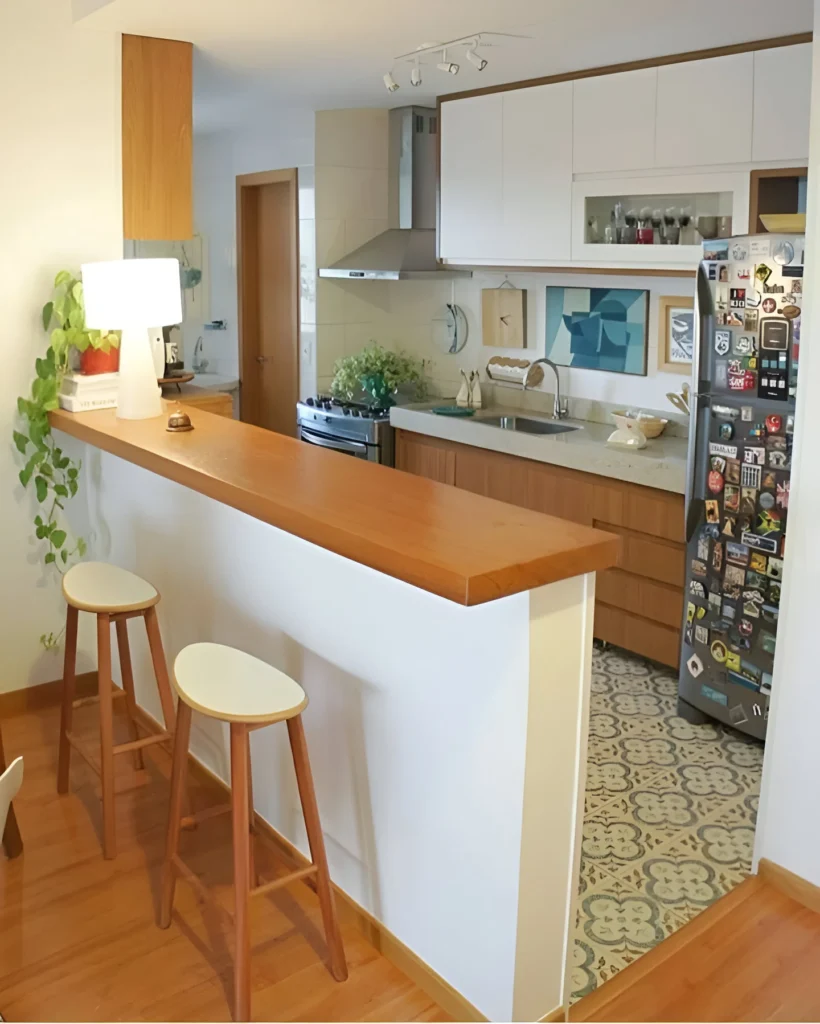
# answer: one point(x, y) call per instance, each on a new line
point(669, 818)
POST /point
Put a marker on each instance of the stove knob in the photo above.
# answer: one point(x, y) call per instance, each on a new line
point(308, 401)
point(328, 404)
point(356, 412)
point(346, 411)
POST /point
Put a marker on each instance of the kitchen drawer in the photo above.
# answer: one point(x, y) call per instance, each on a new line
point(645, 556)
point(638, 595)
point(643, 509)
point(651, 639)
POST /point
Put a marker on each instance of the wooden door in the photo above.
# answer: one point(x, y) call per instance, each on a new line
point(268, 287)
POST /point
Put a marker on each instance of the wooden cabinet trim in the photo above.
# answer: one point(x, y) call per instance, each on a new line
point(157, 138)
point(635, 65)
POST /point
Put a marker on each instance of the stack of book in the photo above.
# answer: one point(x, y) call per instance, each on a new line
point(82, 392)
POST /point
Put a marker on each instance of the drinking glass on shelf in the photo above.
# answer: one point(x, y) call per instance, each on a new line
point(610, 234)
point(592, 230)
point(657, 224)
point(671, 230)
point(685, 220)
point(629, 231)
point(724, 227)
point(645, 235)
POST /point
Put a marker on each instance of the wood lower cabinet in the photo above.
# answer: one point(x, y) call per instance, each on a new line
point(639, 604)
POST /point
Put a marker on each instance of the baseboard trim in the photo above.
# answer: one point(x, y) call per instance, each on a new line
point(44, 695)
point(790, 884)
point(380, 937)
point(596, 1001)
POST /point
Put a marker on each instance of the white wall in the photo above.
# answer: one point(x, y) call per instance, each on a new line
point(60, 204)
point(788, 830)
point(269, 140)
point(412, 305)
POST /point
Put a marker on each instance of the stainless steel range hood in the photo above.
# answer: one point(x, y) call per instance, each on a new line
point(406, 252)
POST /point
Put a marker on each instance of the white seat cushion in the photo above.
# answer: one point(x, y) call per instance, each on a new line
point(100, 587)
point(234, 686)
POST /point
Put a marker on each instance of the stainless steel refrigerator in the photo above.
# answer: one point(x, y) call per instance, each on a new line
point(744, 372)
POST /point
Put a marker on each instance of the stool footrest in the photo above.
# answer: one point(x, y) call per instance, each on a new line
point(210, 812)
point(279, 883)
point(82, 702)
point(145, 741)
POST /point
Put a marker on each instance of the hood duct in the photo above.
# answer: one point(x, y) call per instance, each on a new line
point(408, 251)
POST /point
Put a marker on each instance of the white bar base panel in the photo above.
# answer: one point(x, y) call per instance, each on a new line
point(448, 743)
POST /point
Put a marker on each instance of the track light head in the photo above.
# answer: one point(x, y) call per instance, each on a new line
point(447, 65)
point(415, 75)
point(478, 62)
point(390, 83)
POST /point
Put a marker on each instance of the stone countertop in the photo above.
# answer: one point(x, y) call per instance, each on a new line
point(662, 464)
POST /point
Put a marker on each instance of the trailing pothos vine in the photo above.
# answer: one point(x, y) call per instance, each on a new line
point(54, 474)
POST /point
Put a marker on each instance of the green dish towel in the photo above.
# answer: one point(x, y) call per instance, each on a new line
point(452, 410)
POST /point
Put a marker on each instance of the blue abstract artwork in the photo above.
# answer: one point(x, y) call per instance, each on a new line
point(597, 328)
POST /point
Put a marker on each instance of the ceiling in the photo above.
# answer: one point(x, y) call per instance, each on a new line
point(321, 54)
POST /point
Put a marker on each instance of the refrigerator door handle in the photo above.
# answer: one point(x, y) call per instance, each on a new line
point(697, 400)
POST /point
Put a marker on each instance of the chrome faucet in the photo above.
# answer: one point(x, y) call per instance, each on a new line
point(559, 407)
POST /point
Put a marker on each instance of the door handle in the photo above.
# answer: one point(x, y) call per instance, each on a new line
point(262, 359)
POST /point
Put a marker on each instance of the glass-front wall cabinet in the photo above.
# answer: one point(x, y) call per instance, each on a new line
point(617, 221)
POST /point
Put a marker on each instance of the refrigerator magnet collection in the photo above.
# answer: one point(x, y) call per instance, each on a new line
point(748, 302)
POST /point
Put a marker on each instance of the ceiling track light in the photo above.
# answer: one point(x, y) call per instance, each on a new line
point(415, 74)
point(390, 83)
point(447, 65)
point(478, 62)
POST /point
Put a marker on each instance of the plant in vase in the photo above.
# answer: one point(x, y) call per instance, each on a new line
point(375, 374)
point(53, 474)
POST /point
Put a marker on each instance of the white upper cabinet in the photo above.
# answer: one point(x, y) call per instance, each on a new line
point(537, 171)
point(782, 95)
point(471, 216)
point(614, 121)
point(704, 112)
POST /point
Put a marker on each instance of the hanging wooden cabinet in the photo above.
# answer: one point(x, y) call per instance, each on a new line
point(157, 138)
point(639, 604)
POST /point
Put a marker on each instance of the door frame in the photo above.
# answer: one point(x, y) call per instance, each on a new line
point(247, 286)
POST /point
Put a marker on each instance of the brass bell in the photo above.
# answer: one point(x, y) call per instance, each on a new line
point(179, 421)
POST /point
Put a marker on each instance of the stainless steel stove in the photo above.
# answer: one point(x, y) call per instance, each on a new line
point(346, 427)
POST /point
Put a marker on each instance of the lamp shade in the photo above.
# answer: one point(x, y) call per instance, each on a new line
point(129, 294)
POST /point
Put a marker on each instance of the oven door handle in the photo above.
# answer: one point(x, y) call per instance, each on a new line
point(323, 441)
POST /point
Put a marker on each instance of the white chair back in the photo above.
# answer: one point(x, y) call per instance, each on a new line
point(10, 782)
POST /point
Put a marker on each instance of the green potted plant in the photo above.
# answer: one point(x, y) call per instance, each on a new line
point(375, 374)
point(65, 314)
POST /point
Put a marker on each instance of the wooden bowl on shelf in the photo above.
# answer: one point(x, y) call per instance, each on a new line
point(787, 223)
point(650, 426)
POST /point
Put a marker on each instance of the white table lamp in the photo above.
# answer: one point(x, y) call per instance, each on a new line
point(132, 296)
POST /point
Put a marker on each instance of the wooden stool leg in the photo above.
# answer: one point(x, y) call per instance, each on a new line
point(160, 668)
point(128, 686)
point(12, 840)
point(64, 755)
point(106, 734)
point(310, 809)
point(179, 775)
point(254, 878)
point(241, 869)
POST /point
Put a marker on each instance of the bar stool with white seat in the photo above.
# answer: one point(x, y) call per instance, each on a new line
point(113, 595)
point(232, 686)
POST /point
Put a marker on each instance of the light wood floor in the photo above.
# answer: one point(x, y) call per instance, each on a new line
point(78, 940)
point(752, 956)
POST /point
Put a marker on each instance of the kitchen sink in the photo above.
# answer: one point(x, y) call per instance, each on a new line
point(524, 425)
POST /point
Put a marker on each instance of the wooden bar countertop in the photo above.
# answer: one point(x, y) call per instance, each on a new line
point(447, 541)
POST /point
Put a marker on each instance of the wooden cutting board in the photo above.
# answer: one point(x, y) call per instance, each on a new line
point(504, 317)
